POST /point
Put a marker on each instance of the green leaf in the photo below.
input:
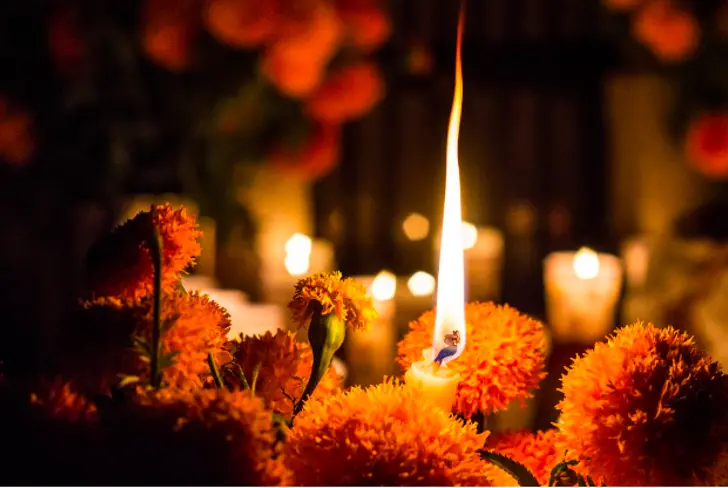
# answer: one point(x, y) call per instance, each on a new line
point(167, 324)
point(523, 476)
point(590, 481)
point(580, 480)
point(167, 360)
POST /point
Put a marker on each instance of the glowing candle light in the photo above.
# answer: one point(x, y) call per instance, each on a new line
point(436, 383)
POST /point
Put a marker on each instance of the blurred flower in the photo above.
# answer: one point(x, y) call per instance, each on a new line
point(315, 158)
point(284, 367)
point(646, 407)
point(623, 5)
point(419, 60)
point(349, 93)
point(382, 436)
point(670, 32)
point(66, 48)
point(706, 144)
point(502, 361)
point(111, 339)
point(16, 141)
point(296, 61)
point(206, 437)
point(241, 23)
point(59, 401)
point(120, 265)
point(367, 24)
point(169, 28)
point(347, 298)
point(536, 451)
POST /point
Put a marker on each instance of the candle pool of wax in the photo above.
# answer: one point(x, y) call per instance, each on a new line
point(437, 384)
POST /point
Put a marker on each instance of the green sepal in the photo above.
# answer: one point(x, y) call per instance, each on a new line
point(522, 474)
point(326, 334)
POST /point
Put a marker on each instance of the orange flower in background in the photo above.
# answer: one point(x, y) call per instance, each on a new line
point(349, 93)
point(646, 408)
point(66, 48)
point(169, 28)
point(16, 141)
point(347, 298)
point(367, 24)
point(120, 264)
point(670, 32)
point(59, 401)
point(537, 451)
point(241, 23)
point(318, 155)
point(308, 38)
point(502, 361)
point(706, 144)
point(205, 437)
point(381, 436)
point(284, 366)
point(110, 340)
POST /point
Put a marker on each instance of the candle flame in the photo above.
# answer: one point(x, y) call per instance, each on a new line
point(450, 314)
point(586, 264)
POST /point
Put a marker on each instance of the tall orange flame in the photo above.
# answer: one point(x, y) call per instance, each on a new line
point(450, 314)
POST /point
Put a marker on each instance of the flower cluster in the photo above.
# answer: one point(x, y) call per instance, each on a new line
point(689, 36)
point(503, 360)
point(644, 407)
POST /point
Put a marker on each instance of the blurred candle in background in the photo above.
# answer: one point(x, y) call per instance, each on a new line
point(370, 354)
point(582, 291)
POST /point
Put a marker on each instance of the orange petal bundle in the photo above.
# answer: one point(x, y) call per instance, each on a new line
point(367, 25)
point(347, 298)
point(646, 408)
point(537, 451)
point(503, 360)
point(382, 436)
point(104, 343)
point(120, 264)
point(169, 28)
point(241, 23)
point(284, 366)
point(670, 32)
point(207, 437)
point(315, 158)
point(706, 144)
point(347, 94)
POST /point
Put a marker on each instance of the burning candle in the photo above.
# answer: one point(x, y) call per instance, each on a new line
point(582, 290)
point(436, 383)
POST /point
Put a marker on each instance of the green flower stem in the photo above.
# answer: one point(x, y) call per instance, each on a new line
point(326, 335)
point(155, 249)
point(215, 372)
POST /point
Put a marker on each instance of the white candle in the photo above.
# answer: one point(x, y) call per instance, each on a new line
point(483, 255)
point(582, 290)
point(636, 256)
point(371, 353)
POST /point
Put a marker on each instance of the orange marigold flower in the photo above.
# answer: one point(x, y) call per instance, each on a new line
point(315, 158)
point(169, 28)
point(706, 144)
point(670, 32)
point(367, 24)
point(296, 61)
point(646, 408)
point(120, 265)
point(382, 436)
point(205, 437)
point(16, 140)
point(536, 451)
point(347, 298)
point(284, 366)
point(241, 23)
point(347, 94)
point(502, 361)
point(109, 336)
